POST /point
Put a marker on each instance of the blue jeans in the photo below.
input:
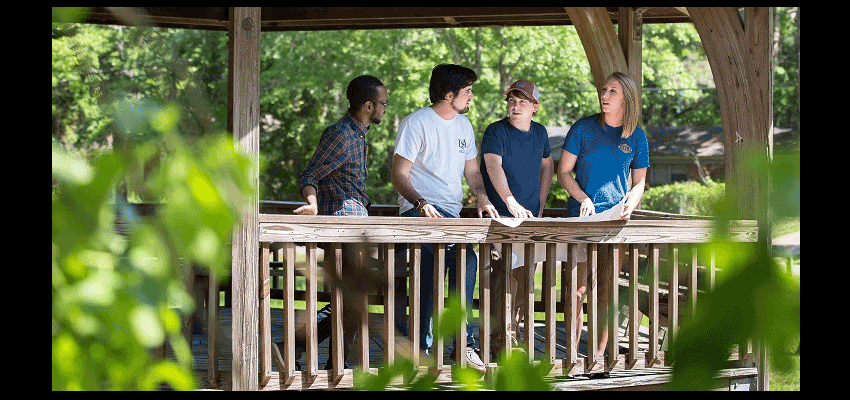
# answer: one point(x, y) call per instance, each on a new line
point(426, 299)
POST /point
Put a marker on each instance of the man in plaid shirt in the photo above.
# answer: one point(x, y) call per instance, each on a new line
point(334, 183)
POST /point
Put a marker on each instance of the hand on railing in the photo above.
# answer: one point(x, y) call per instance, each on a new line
point(485, 206)
point(307, 209)
point(427, 210)
point(516, 209)
point(311, 208)
point(587, 207)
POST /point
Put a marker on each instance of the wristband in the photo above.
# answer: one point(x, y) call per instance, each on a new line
point(419, 203)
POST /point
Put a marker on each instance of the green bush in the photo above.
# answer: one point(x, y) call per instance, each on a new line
point(690, 197)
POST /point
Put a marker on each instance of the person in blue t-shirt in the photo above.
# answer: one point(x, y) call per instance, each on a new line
point(517, 169)
point(602, 150)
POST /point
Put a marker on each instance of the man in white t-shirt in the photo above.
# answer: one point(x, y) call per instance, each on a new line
point(435, 149)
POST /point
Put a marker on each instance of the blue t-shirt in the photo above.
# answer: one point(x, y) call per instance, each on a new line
point(603, 161)
point(522, 153)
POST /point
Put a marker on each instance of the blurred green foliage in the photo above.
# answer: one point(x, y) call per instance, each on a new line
point(754, 298)
point(117, 298)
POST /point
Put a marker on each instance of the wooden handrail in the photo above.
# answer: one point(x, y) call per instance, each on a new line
point(297, 228)
point(598, 237)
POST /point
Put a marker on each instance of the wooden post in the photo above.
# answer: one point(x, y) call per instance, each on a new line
point(739, 53)
point(243, 121)
point(739, 50)
point(630, 33)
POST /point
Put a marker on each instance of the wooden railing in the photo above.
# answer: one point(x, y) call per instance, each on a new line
point(653, 231)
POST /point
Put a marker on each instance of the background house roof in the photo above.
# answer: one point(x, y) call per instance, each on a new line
point(704, 141)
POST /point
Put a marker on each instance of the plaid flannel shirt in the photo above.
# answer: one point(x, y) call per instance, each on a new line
point(338, 169)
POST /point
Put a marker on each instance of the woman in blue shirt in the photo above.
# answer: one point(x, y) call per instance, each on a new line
point(602, 150)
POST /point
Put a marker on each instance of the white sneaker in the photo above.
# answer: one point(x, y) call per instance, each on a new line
point(472, 359)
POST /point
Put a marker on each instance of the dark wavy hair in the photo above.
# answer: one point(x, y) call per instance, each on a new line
point(362, 89)
point(449, 78)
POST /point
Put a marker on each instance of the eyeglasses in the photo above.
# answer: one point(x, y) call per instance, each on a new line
point(386, 104)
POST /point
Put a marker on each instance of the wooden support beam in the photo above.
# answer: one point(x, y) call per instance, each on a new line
point(601, 44)
point(630, 34)
point(244, 123)
point(740, 52)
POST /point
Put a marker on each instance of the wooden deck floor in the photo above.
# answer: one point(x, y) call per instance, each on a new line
point(199, 346)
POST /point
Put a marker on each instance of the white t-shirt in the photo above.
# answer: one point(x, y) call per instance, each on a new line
point(438, 149)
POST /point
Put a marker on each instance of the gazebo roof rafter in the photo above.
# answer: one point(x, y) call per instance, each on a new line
point(341, 18)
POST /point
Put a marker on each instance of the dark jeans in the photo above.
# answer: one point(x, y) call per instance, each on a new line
point(426, 299)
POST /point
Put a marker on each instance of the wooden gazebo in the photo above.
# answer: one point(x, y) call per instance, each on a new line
point(737, 44)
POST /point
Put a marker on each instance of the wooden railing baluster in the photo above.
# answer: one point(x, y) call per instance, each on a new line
point(549, 293)
point(389, 303)
point(506, 320)
point(531, 266)
point(601, 242)
point(438, 288)
point(654, 323)
point(310, 321)
point(592, 318)
point(337, 311)
point(484, 306)
point(288, 349)
point(571, 304)
point(460, 291)
point(362, 304)
point(673, 300)
point(634, 312)
point(613, 278)
point(414, 295)
point(265, 327)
